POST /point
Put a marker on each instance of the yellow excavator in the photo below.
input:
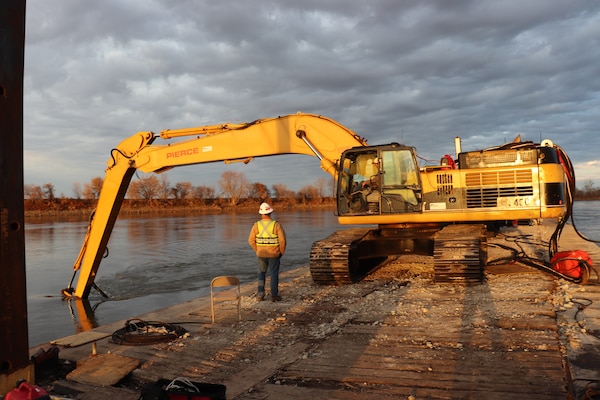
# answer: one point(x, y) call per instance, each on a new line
point(442, 210)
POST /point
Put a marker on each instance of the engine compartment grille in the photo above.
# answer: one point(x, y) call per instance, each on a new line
point(445, 186)
point(484, 188)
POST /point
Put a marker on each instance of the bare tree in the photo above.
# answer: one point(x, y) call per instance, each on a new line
point(234, 185)
point(204, 192)
point(27, 190)
point(92, 190)
point(77, 190)
point(165, 186)
point(588, 191)
point(145, 188)
point(182, 190)
point(281, 191)
point(258, 191)
point(325, 187)
point(133, 191)
point(33, 192)
point(308, 193)
point(48, 191)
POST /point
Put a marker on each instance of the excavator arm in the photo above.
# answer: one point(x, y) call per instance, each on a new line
point(308, 134)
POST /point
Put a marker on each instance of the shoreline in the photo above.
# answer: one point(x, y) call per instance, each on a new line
point(83, 208)
point(143, 211)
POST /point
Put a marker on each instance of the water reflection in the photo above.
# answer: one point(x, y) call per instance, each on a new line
point(83, 314)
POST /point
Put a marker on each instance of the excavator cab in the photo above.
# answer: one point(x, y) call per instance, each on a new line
point(377, 180)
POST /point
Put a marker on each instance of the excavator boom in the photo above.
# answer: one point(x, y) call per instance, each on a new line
point(308, 134)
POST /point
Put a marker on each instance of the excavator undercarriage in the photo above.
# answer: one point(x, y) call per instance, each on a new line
point(459, 252)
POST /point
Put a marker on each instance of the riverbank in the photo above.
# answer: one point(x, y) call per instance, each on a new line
point(397, 334)
point(84, 208)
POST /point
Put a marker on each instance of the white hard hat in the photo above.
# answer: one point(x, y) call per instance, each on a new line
point(265, 209)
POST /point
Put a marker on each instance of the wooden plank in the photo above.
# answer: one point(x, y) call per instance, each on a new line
point(543, 362)
point(409, 351)
point(472, 382)
point(82, 391)
point(80, 339)
point(517, 381)
point(458, 368)
point(504, 327)
point(351, 391)
point(500, 339)
point(103, 369)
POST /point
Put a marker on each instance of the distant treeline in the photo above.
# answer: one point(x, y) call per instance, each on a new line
point(589, 192)
point(64, 206)
point(150, 193)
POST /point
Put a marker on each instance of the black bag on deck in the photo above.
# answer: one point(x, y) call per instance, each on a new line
point(152, 391)
point(184, 389)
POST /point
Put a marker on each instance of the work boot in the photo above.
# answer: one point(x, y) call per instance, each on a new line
point(260, 297)
point(275, 298)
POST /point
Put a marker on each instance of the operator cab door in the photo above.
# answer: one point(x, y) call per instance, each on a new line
point(379, 180)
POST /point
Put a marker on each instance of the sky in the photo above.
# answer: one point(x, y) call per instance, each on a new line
point(417, 72)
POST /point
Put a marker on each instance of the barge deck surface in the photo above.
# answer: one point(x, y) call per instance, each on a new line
point(520, 334)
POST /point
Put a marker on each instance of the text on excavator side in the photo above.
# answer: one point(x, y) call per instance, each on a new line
point(182, 153)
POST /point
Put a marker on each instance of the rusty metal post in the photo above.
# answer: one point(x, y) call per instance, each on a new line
point(14, 343)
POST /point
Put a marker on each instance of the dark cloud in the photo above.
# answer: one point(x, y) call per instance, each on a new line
point(417, 72)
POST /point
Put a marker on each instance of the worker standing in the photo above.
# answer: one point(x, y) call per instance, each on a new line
point(267, 238)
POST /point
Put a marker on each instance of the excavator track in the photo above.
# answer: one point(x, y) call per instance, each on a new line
point(459, 253)
point(348, 256)
point(334, 260)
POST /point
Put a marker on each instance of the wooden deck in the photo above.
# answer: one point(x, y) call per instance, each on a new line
point(460, 356)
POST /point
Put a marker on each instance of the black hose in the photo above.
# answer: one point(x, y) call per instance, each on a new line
point(570, 172)
point(137, 332)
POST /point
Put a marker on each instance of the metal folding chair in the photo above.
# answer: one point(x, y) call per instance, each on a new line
point(229, 295)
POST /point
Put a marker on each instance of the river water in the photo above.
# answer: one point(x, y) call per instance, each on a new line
point(160, 261)
point(153, 263)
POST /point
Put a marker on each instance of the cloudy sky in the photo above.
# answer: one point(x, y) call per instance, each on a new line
point(419, 72)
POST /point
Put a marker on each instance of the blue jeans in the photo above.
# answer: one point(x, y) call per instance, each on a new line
point(270, 266)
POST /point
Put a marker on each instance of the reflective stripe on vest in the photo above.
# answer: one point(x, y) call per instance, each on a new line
point(266, 233)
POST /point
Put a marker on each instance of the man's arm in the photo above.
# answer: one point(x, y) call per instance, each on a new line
point(281, 236)
point(252, 237)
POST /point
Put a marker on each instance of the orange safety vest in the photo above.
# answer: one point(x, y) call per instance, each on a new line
point(266, 233)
